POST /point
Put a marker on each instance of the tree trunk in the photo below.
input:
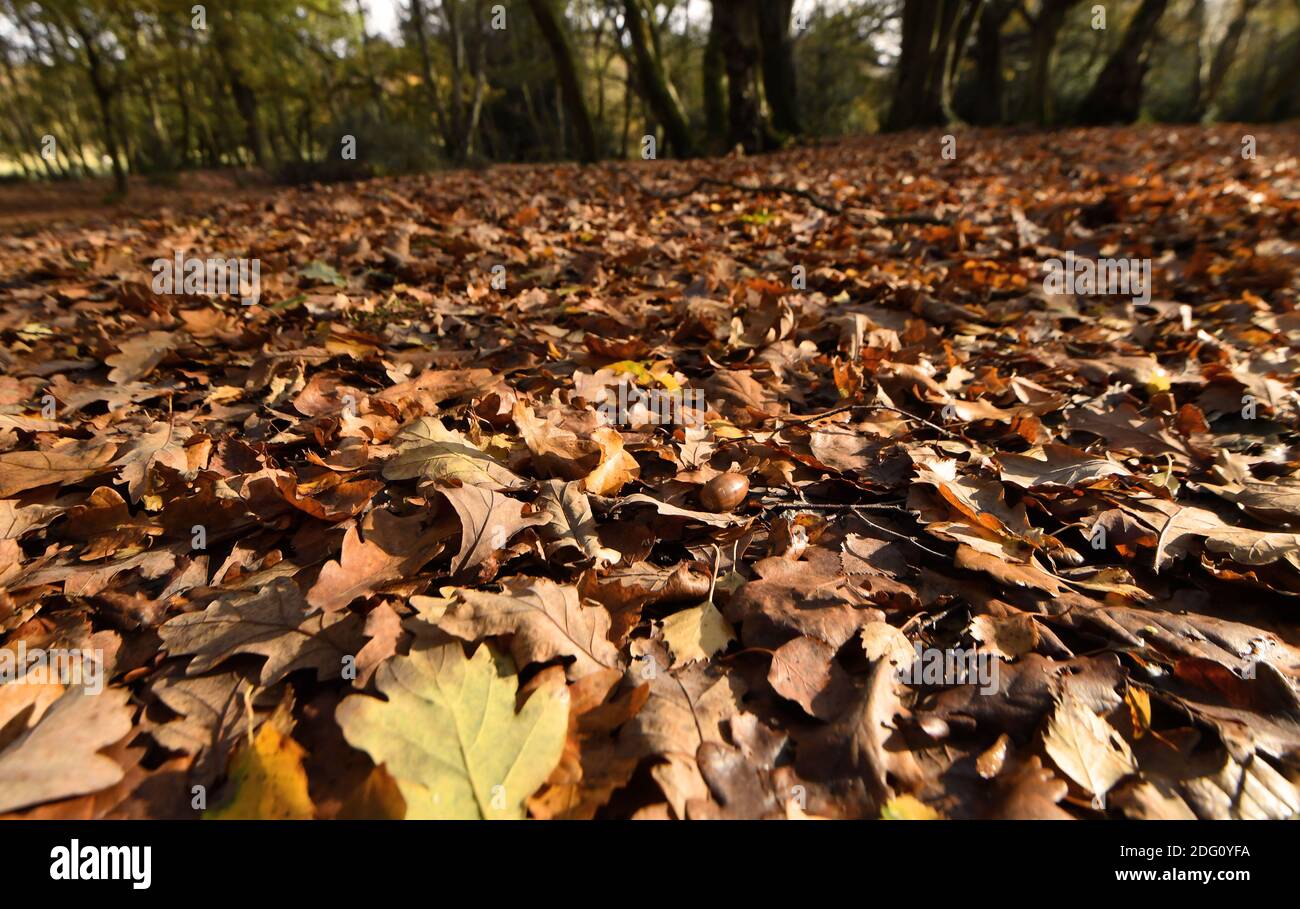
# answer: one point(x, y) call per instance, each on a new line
point(1046, 28)
point(966, 19)
point(737, 22)
point(456, 102)
point(988, 62)
point(1196, 90)
point(1224, 55)
point(955, 23)
point(480, 84)
point(567, 73)
point(653, 83)
point(104, 97)
point(714, 73)
point(1283, 86)
point(1116, 96)
point(368, 63)
point(628, 94)
point(240, 90)
point(777, 47)
point(426, 72)
point(919, 20)
point(923, 92)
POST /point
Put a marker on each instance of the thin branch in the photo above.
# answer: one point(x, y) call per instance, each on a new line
point(911, 416)
point(901, 536)
point(812, 198)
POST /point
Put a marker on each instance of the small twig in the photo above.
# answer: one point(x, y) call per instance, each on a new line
point(901, 536)
point(924, 621)
point(812, 198)
point(843, 408)
point(815, 200)
point(911, 416)
point(804, 421)
point(248, 711)
point(810, 506)
point(713, 580)
point(914, 219)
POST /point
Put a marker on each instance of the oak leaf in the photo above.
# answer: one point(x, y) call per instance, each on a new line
point(429, 450)
point(275, 622)
point(1086, 747)
point(449, 734)
point(58, 756)
point(546, 621)
point(488, 521)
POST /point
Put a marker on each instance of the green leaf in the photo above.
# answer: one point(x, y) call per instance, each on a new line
point(908, 808)
point(450, 737)
point(322, 274)
point(292, 303)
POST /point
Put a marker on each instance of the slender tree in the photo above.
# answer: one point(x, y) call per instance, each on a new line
point(1225, 53)
point(713, 73)
point(738, 38)
point(652, 80)
point(567, 72)
point(988, 109)
point(225, 30)
point(923, 89)
point(779, 77)
point(1116, 96)
point(1045, 28)
point(106, 86)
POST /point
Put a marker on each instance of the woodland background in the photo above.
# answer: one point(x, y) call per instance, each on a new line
point(135, 88)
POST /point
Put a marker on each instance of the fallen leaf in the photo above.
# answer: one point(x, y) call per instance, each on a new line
point(1087, 748)
point(450, 736)
point(58, 756)
point(696, 633)
point(268, 780)
point(546, 621)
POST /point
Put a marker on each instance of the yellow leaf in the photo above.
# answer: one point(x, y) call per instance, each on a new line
point(616, 469)
point(696, 634)
point(633, 369)
point(665, 378)
point(1139, 708)
point(449, 734)
point(908, 808)
point(269, 781)
point(350, 347)
point(1158, 381)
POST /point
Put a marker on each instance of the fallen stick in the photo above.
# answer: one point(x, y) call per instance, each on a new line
point(812, 198)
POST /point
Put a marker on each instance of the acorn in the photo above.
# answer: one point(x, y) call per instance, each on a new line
point(725, 492)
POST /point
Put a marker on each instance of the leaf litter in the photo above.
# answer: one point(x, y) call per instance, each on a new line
point(417, 538)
